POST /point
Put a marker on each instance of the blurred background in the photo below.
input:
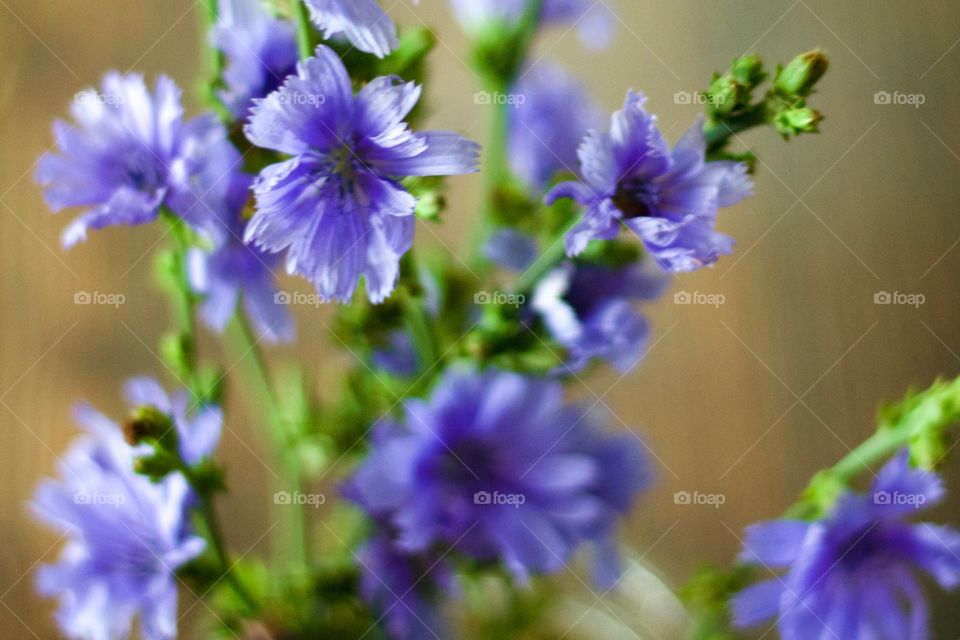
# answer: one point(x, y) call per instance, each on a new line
point(745, 399)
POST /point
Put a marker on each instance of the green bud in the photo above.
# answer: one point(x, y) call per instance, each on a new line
point(797, 120)
point(148, 424)
point(157, 466)
point(748, 70)
point(802, 73)
point(430, 205)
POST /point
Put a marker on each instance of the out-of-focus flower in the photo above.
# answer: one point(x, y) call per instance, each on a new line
point(235, 272)
point(548, 124)
point(854, 573)
point(126, 534)
point(402, 589)
point(362, 22)
point(667, 198)
point(260, 51)
point(594, 21)
point(589, 309)
point(496, 465)
point(335, 206)
point(131, 154)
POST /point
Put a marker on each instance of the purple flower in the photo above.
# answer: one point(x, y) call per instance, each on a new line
point(235, 272)
point(335, 206)
point(594, 20)
point(401, 588)
point(547, 126)
point(497, 466)
point(260, 51)
point(126, 534)
point(667, 198)
point(362, 22)
point(130, 154)
point(398, 356)
point(589, 309)
point(853, 574)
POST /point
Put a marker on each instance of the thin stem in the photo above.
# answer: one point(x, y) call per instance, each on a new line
point(555, 253)
point(209, 516)
point(296, 539)
point(185, 303)
point(304, 30)
point(719, 133)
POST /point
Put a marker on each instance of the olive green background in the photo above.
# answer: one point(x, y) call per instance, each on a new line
point(746, 400)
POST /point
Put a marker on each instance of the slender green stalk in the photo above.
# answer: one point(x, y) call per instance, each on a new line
point(185, 303)
point(305, 42)
point(295, 546)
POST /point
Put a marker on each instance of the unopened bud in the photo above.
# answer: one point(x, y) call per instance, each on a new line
point(147, 423)
point(797, 120)
point(800, 76)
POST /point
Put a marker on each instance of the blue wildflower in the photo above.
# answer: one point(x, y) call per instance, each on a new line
point(853, 574)
point(496, 465)
point(126, 534)
point(402, 589)
point(589, 309)
point(362, 22)
point(594, 20)
point(668, 198)
point(336, 206)
point(130, 154)
point(260, 51)
point(235, 272)
point(546, 127)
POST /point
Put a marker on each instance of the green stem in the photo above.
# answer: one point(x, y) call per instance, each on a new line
point(209, 516)
point(185, 303)
point(555, 253)
point(295, 547)
point(718, 133)
point(305, 43)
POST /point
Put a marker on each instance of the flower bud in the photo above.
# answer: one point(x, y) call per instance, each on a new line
point(799, 77)
point(797, 120)
point(148, 424)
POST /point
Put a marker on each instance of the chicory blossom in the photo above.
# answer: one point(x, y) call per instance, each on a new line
point(238, 273)
point(589, 309)
point(336, 206)
point(594, 20)
point(130, 154)
point(127, 535)
point(853, 575)
point(667, 198)
point(362, 22)
point(495, 465)
point(546, 127)
point(259, 49)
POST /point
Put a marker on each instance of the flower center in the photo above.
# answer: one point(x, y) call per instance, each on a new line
point(636, 199)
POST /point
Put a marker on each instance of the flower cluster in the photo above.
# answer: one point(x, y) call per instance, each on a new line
point(127, 535)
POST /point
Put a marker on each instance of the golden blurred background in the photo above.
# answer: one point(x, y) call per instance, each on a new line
point(747, 399)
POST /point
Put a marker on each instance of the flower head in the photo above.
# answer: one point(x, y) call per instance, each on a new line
point(589, 309)
point(238, 273)
point(335, 206)
point(402, 587)
point(260, 52)
point(126, 534)
point(362, 22)
point(547, 126)
point(496, 465)
point(668, 198)
point(594, 20)
point(853, 574)
point(131, 154)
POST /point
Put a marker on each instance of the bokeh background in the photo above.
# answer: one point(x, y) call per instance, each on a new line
point(746, 399)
